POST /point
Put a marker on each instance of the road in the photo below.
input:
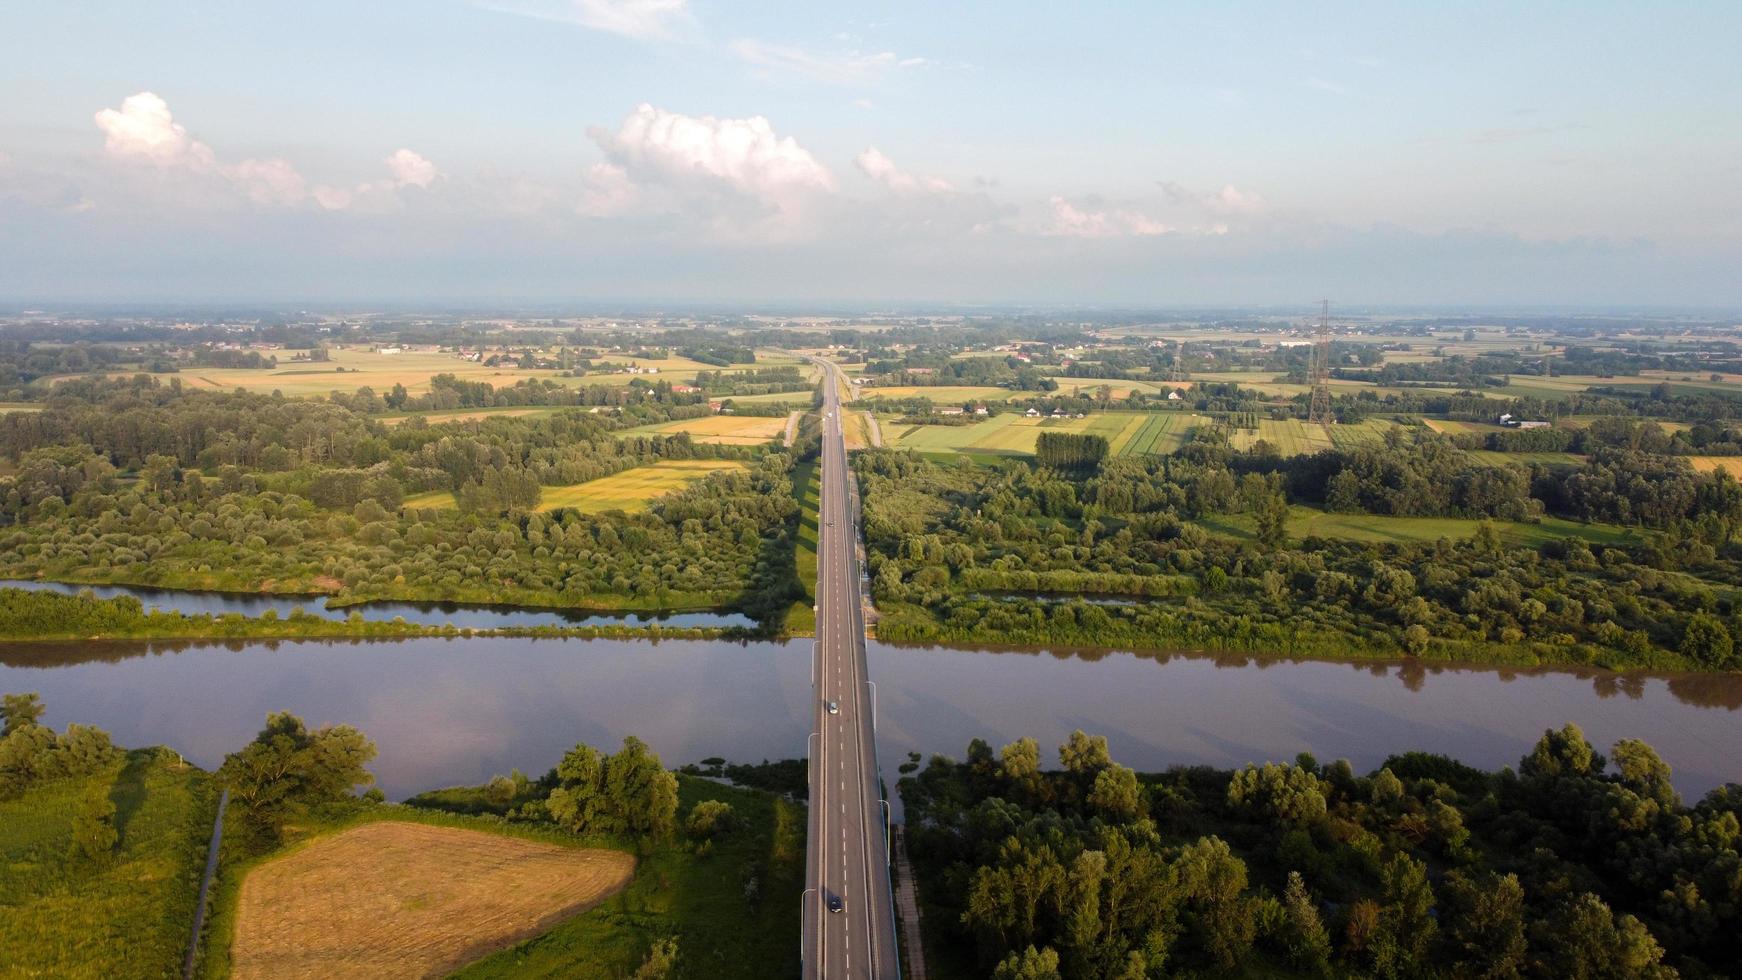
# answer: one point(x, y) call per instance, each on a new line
point(848, 850)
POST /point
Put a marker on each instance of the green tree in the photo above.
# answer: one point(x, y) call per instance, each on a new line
point(19, 710)
point(709, 819)
point(288, 768)
point(1561, 753)
point(1030, 964)
point(1309, 945)
point(1085, 754)
point(1485, 917)
point(94, 833)
point(661, 960)
point(1589, 942)
point(1706, 641)
point(1116, 795)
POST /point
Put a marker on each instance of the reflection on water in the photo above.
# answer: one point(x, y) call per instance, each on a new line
point(463, 615)
point(448, 711)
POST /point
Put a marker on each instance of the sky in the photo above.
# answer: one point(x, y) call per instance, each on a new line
point(429, 152)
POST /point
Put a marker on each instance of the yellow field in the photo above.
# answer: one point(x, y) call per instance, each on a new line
point(1708, 464)
point(396, 899)
point(631, 490)
point(725, 430)
point(467, 415)
point(1127, 433)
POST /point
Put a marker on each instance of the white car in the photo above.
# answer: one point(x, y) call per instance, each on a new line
point(834, 707)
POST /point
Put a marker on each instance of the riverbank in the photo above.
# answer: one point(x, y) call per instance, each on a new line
point(1203, 630)
point(45, 616)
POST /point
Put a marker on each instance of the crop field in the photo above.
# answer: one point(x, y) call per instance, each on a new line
point(725, 430)
point(1156, 433)
point(1368, 432)
point(1291, 437)
point(393, 899)
point(1708, 464)
point(1012, 434)
point(631, 490)
point(351, 369)
point(1489, 457)
point(946, 394)
point(467, 415)
point(1304, 522)
point(1456, 427)
point(775, 398)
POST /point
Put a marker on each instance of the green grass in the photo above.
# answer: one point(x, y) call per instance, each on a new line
point(130, 917)
point(630, 490)
point(698, 899)
point(1307, 522)
point(801, 619)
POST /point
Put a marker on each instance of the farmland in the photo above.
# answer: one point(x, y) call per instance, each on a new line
point(725, 430)
point(351, 368)
point(631, 490)
point(1127, 433)
point(409, 899)
point(1707, 464)
point(1305, 522)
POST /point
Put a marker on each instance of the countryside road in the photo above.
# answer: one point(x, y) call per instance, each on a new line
point(847, 856)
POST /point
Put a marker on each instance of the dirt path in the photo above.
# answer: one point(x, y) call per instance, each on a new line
point(907, 908)
point(876, 430)
point(187, 967)
point(792, 428)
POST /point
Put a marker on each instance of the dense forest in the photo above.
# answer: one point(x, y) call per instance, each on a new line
point(142, 483)
point(1194, 550)
point(1569, 866)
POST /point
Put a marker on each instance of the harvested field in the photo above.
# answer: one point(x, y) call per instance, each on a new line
point(1707, 464)
point(726, 430)
point(630, 490)
point(1127, 433)
point(393, 899)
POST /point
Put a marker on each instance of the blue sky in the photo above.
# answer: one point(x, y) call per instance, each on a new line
point(659, 150)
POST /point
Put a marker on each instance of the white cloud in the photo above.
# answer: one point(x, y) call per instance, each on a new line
point(273, 183)
point(608, 191)
point(703, 152)
point(832, 67)
point(644, 20)
point(411, 169)
point(144, 129)
point(875, 165)
point(1090, 221)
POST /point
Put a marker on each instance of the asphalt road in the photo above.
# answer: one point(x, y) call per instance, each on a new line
point(848, 849)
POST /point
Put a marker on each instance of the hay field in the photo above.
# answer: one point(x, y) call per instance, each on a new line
point(947, 394)
point(1708, 464)
point(631, 490)
point(467, 415)
point(363, 368)
point(725, 430)
point(1014, 434)
point(393, 899)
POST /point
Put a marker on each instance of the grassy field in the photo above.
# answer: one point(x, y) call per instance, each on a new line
point(1491, 458)
point(468, 415)
point(733, 911)
point(1306, 522)
point(1014, 434)
point(801, 619)
point(408, 899)
point(776, 398)
point(726, 430)
point(1291, 437)
point(947, 394)
point(630, 490)
point(130, 916)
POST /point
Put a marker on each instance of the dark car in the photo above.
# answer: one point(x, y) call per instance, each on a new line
point(836, 905)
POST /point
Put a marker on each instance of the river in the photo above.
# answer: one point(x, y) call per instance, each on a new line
point(449, 711)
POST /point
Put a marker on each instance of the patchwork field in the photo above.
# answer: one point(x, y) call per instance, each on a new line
point(725, 430)
point(631, 490)
point(392, 899)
